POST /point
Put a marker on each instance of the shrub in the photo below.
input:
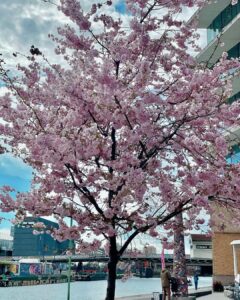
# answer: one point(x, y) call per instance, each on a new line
point(217, 286)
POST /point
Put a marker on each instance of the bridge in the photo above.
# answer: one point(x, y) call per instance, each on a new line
point(155, 258)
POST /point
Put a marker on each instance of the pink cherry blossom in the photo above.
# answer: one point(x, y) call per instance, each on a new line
point(124, 135)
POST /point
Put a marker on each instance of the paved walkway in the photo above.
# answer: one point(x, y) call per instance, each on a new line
point(215, 296)
point(137, 297)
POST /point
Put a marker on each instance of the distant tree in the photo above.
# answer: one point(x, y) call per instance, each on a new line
point(126, 133)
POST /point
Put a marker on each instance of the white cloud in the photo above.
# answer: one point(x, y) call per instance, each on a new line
point(25, 23)
point(3, 90)
point(15, 167)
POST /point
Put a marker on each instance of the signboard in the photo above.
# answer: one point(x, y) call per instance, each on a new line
point(203, 246)
point(30, 269)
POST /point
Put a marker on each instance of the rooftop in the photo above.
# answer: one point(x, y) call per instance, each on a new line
point(201, 237)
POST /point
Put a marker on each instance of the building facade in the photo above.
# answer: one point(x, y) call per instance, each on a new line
point(200, 246)
point(6, 244)
point(26, 243)
point(149, 250)
point(221, 20)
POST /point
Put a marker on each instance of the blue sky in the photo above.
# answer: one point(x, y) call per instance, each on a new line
point(15, 173)
point(121, 7)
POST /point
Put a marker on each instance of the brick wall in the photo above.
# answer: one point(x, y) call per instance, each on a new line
point(223, 256)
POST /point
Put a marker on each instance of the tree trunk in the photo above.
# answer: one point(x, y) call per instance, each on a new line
point(112, 268)
point(179, 257)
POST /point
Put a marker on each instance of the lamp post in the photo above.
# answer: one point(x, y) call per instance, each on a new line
point(69, 264)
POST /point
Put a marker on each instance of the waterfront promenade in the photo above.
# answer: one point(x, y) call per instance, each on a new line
point(90, 290)
point(213, 296)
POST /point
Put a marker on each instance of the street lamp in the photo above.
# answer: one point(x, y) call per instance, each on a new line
point(69, 264)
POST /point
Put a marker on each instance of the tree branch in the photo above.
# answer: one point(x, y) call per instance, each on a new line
point(148, 12)
point(84, 190)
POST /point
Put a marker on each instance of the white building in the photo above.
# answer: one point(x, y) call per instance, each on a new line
point(6, 243)
point(200, 246)
point(221, 20)
point(149, 250)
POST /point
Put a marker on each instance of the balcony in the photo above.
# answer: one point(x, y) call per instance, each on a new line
point(226, 40)
point(209, 12)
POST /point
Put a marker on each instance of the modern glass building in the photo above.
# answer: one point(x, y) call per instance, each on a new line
point(221, 20)
point(25, 243)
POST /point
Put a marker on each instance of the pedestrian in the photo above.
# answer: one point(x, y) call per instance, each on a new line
point(195, 279)
point(165, 279)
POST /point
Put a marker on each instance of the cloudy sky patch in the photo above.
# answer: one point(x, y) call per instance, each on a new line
point(25, 23)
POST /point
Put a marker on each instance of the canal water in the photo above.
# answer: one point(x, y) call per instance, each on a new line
point(87, 290)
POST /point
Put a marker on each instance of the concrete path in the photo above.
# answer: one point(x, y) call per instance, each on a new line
point(137, 297)
point(214, 296)
point(149, 296)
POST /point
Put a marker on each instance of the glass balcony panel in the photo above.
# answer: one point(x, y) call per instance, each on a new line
point(222, 20)
point(234, 98)
point(211, 34)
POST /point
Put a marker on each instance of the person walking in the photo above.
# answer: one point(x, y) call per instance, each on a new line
point(195, 279)
point(165, 279)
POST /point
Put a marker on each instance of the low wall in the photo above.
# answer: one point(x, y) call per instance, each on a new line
point(225, 279)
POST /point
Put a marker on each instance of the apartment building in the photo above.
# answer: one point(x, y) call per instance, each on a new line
point(221, 20)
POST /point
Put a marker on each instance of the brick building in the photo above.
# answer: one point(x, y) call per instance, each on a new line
point(224, 233)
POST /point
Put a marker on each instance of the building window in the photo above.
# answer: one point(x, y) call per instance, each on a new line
point(222, 20)
point(204, 247)
point(234, 156)
point(234, 52)
point(234, 98)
